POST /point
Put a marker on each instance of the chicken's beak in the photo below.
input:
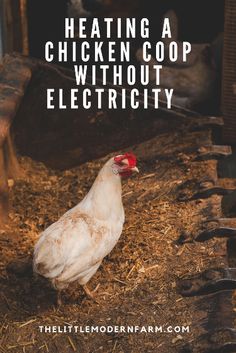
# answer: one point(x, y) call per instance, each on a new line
point(135, 170)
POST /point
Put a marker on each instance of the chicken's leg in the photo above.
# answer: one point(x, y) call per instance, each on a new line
point(90, 293)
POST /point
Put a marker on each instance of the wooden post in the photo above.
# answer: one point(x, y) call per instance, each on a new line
point(9, 168)
point(12, 164)
point(14, 77)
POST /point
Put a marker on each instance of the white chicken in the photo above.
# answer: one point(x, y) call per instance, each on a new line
point(72, 249)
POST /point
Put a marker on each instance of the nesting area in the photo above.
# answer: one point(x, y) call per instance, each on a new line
point(137, 284)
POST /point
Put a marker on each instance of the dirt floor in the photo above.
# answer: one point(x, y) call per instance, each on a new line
point(138, 282)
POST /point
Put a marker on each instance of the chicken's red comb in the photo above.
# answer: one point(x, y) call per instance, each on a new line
point(130, 156)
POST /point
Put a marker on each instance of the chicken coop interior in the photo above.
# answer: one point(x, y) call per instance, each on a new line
point(174, 264)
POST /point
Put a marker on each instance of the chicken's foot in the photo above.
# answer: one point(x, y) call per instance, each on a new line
point(89, 293)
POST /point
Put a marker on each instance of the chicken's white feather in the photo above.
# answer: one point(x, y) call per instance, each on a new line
point(73, 247)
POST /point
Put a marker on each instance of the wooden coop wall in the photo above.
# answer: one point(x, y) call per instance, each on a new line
point(229, 73)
